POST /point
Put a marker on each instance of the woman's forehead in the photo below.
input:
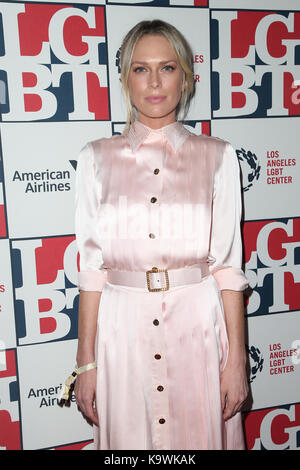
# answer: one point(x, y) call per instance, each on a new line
point(150, 46)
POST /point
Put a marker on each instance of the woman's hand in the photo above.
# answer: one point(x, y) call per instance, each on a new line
point(234, 388)
point(233, 380)
point(85, 392)
point(85, 384)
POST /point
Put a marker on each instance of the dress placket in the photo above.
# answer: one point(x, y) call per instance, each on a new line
point(161, 419)
point(161, 423)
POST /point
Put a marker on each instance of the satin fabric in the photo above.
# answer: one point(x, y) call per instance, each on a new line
point(160, 354)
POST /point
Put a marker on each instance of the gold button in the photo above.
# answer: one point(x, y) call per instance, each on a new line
point(156, 171)
point(157, 356)
point(151, 235)
point(155, 322)
point(162, 420)
point(160, 388)
point(153, 199)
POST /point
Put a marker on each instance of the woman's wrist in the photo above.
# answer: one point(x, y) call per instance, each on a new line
point(83, 359)
point(237, 357)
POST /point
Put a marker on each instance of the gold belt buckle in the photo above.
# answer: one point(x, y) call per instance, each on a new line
point(157, 270)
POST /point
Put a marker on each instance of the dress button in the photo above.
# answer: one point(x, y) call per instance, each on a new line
point(153, 199)
point(156, 171)
point(155, 322)
point(157, 356)
point(162, 420)
point(160, 388)
point(151, 235)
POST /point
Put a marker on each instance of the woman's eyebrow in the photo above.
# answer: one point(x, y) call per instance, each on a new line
point(161, 62)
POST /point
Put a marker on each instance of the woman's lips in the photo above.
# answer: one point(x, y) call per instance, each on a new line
point(155, 99)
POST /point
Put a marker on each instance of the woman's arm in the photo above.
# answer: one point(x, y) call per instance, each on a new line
point(234, 384)
point(92, 273)
point(85, 385)
point(226, 251)
point(87, 326)
point(233, 302)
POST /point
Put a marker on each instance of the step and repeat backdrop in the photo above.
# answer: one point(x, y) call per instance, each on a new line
point(60, 88)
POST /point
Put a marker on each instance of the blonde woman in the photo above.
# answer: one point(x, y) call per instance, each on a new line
point(161, 318)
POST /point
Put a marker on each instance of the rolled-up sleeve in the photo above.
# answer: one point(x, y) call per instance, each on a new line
point(225, 239)
point(92, 275)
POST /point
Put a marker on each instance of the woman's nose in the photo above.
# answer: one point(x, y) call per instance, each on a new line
point(155, 79)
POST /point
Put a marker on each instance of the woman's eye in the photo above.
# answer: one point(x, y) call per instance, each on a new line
point(166, 67)
point(169, 67)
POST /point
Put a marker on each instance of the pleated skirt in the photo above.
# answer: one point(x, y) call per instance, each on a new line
point(160, 356)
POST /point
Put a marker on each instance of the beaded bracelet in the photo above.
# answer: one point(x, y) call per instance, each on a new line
point(65, 393)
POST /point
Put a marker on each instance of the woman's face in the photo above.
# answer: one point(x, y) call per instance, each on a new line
point(155, 81)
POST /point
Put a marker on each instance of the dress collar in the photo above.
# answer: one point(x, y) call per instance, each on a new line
point(175, 134)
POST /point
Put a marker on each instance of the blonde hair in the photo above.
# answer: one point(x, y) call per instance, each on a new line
point(182, 50)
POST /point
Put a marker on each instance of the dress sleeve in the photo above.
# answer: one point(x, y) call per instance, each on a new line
point(225, 240)
point(92, 275)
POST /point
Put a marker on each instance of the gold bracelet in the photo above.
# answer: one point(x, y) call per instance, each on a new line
point(66, 392)
point(89, 366)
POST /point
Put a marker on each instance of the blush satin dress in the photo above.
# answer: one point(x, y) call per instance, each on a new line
point(171, 199)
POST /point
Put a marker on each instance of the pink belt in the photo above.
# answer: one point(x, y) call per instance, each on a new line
point(156, 280)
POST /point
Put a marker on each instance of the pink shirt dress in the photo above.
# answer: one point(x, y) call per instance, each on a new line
point(166, 198)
